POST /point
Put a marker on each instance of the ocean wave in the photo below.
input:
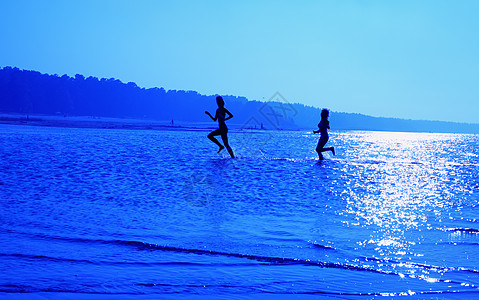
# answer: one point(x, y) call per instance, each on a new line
point(419, 265)
point(266, 259)
point(258, 261)
point(463, 230)
point(117, 263)
point(269, 260)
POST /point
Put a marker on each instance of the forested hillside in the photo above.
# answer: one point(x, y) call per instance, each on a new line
point(32, 93)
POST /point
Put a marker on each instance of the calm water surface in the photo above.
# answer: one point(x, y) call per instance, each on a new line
point(112, 212)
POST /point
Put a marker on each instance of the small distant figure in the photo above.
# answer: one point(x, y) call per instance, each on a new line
point(172, 123)
point(323, 129)
point(223, 130)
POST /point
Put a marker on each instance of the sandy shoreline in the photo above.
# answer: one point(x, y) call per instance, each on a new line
point(101, 122)
point(115, 123)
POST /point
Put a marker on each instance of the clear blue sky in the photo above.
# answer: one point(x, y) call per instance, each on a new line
point(415, 59)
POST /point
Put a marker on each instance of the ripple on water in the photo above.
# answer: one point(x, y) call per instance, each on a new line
point(121, 211)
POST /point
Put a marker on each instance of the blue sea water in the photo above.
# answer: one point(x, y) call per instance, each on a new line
point(160, 213)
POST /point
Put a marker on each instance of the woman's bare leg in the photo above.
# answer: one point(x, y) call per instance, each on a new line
point(328, 149)
point(211, 136)
point(224, 136)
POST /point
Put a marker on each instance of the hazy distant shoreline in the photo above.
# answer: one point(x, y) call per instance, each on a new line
point(112, 123)
point(133, 124)
point(99, 122)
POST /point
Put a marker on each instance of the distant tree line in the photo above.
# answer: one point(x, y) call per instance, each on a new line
point(32, 93)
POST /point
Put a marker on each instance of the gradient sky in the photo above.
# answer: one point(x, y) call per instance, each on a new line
point(415, 59)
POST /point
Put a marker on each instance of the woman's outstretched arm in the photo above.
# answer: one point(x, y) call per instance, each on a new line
point(214, 119)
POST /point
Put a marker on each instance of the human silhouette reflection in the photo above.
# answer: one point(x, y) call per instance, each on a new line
point(323, 129)
point(222, 130)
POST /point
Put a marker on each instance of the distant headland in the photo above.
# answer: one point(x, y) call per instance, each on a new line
point(30, 97)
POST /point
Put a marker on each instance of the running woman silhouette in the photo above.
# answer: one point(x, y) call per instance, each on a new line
point(323, 129)
point(223, 130)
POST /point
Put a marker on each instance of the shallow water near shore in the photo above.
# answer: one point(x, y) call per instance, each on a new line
point(143, 212)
